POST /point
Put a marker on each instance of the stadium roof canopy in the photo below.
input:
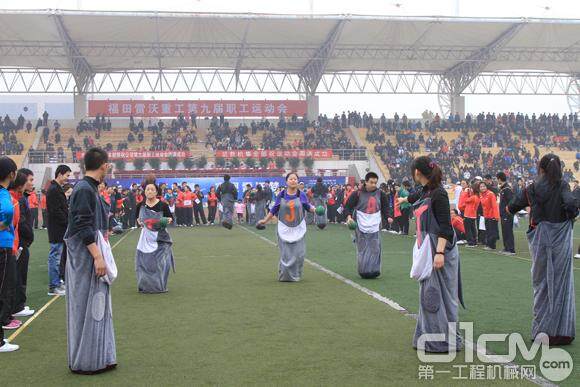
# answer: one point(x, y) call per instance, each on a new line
point(112, 41)
point(151, 52)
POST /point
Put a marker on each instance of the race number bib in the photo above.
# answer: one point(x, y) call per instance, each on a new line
point(187, 202)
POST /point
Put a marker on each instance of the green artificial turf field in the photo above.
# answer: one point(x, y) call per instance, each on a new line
point(227, 321)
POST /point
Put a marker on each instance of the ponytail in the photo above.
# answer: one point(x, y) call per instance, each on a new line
point(550, 168)
point(430, 170)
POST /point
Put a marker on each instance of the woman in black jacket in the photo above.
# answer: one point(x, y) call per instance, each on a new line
point(439, 276)
point(552, 213)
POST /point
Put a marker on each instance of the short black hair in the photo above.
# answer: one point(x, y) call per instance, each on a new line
point(95, 158)
point(19, 181)
point(61, 170)
point(7, 166)
point(487, 177)
point(406, 183)
point(371, 175)
point(26, 172)
point(501, 176)
point(290, 174)
point(455, 211)
point(319, 179)
point(226, 177)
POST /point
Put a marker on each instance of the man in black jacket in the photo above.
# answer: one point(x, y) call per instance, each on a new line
point(57, 222)
point(506, 195)
point(24, 185)
point(198, 206)
point(132, 204)
point(227, 194)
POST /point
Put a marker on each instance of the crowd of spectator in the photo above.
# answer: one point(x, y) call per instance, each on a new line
point(10, 144)
point(323, 133)
point(464, 156)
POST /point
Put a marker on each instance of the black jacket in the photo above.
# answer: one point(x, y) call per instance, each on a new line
point(57, 213)
point(352, 202)
point(548, 203)
point(225, 188)
point(25, 228)
point(505, 197)
point(319, 190)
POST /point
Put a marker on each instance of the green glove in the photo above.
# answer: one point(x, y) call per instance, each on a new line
point(163, 222)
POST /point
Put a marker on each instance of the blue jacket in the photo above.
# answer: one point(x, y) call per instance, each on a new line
point(6, 216)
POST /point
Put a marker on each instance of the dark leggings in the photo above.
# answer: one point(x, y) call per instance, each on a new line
point(7, 287)
point(470, 231)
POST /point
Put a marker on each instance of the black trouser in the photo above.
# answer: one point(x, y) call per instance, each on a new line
point(44, 218)
point(198, 212)
point(125, 220)
point(470, 230)
point(491, 233)
point(404, 221)
point(480, 233)
point(211, 211)
point(507, 233)
point(34, 214)
point(179, 215)
point(62, 267)
point(332, 212)
point(7, 287)
point(132, 217)
point(21, 280)
point(188, 216)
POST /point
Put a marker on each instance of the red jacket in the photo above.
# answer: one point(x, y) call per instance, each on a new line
point(105, 195)
point(188, 198)
point(346, 196)
point(470, 204)
point(457, 223)
point(43, 202)
point(33, 200)
point(489, 205)
point(15, 220)
point(212, 199)
point(397, 212)
point(331, 198)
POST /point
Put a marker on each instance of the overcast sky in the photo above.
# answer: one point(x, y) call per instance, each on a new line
point(413, 105)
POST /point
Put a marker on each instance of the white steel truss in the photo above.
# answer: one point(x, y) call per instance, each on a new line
point(124, 50)
point(19, 80)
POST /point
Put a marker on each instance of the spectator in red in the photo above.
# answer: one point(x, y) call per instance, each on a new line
point(43, 207)
point(458, 226)
point(468, 206)
point(33, 205)
point(212, 200)
point(490, 214)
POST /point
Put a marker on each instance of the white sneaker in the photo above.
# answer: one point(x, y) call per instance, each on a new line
point(461, 242)
point(57, 292)
point(7, 347)
point(26, 312)
point(577, 256)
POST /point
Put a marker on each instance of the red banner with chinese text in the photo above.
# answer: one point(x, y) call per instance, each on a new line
point(317, 154)
point(201, 108)
point(131, 155)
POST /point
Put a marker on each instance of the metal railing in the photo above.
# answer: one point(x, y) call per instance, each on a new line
point(351, 154)
point(66, 156)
